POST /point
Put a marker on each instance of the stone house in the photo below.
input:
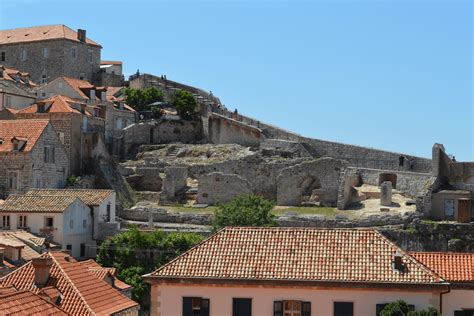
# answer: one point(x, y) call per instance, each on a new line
point(79, 127)
point(31, 156)
point(117, 115)
point(16, 89)
point(110, 74)
point(76, 288)
point(296, 271)
point(101, 202)
point(50, 51)
point(64, 220)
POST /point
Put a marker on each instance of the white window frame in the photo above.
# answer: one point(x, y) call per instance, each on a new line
point(13, 185)
point(6, 221)
point(90, 56)
point(23, 54)
point(44, 78)
point(22, 221)
point(8, 101)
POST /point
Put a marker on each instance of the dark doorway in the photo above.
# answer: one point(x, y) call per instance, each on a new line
point(392, 177)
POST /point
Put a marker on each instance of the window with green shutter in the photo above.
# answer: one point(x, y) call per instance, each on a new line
point(343, 309)
point(242, 307)
point(195, 306)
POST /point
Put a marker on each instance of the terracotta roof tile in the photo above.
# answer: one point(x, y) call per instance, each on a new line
point(29, 129)
point(10, 74)
point(83, 293)
point(88, 196)
point(110, 62)
point(40, 204)
point(451, 266)
point(40, 33)
point(27, 303)
point(297, 254)
point(55, 104)
point(78, 85)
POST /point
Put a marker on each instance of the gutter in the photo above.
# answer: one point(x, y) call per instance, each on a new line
point(441, 299)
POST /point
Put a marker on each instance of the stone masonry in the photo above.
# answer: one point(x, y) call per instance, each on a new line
point(216, 187)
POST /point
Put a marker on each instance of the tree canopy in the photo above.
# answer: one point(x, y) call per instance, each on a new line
point(185, 103)
point(401, 308)
point(134, 253)
point(245, 210)
point(140, 98)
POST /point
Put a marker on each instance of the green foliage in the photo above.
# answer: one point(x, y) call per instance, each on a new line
point(185, 103)
point(135, 253)
point(400, 308)
point(71, 180)
point(140, 98)
point(245, 210)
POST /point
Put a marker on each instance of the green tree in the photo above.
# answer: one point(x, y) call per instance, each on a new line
point(134, 253)
point(245, 210)
point(185, 103)
point(139, 99)
point(401, 308)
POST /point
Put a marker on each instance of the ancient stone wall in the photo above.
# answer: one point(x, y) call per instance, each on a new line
point(159, 132)
point(217, 188)
point(283, 148)
point(223, 130)
point(175, 181)
point(322, 174)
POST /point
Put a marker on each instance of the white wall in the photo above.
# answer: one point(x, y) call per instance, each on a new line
point(457, 300)
point(167, 299)
point(78, 234)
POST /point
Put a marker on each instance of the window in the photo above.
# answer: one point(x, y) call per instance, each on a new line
point(2, 56)
point(23, 54)
point(69, 248)
point(449, 208)
point(107, 215)
point(8, 101)
point(48, 222)
point(45, 52)
point(82, 76)
point(195, 306)
point(49, 154)
point(242, 307)
point(291, 308)
point(84, 223)
point(43, 94)
point(6, 221)
point(22, 221)
point(89, 56)
point(343, 309)
point(61, 137)
point(464, 313)
point(73, 52)
point(71, 224)
point(13, 180)
point(83, 250)
point(44, 79)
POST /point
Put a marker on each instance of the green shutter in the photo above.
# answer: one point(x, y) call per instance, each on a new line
point(242, 307)
point(187, 306)
point(205, 307)
point(278, 308)
point(305, 308)
point(379, 308)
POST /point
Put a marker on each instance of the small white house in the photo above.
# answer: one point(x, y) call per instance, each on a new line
point(65, 220)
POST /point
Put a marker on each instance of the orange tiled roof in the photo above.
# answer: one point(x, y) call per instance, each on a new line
point(83, 293)
point(110, 62)
point(78, 85)
point(102, 272)
point(40, 33)
point(36, 204)
point(10, 73)
point(453, 267)
point(27, 303)
point(55, 104)
point(29, 129)
point(297, 254)
point(88, 196)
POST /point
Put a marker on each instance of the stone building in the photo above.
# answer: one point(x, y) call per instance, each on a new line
point(50, 51)
point(110, 74)
point(16, 89)
point(31, 156)
point(79, 127)
point(116, 113)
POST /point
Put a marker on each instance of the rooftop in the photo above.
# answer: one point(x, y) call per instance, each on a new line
point(37, 204)
point(110, 62)
point(28, 129)
point(54, 104)
point(451, 266)
point(40, 33)
point(27, 303)
point(88, 196)
point(83, 293)
point(297, 254)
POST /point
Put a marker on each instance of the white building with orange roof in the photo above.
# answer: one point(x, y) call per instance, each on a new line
point(294, 271)
point(31, 156)
point(16, 89)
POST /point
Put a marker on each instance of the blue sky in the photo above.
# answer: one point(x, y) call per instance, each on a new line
point(395, 75)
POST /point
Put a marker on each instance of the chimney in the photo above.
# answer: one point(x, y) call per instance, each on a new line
point(41, 267)
point(398, 262)
point(81, 35)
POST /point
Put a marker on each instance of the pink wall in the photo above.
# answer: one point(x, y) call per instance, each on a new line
point(167, 299)
point(456, 300)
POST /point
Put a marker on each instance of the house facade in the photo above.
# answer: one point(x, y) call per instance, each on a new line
point(294, 271)
point(16, 89)
point(31, 156)
point(80, 129)
point(64, 220)
point(51, 51)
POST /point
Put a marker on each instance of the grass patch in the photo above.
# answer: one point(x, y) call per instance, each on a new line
point(187, 209)
point(307, 210)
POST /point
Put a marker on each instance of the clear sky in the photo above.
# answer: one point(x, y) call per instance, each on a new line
point(395, 75)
